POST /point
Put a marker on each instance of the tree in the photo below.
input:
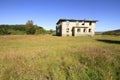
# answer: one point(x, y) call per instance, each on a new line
point(40, 30)
point(51, 31)
point(30, 28)
point(4, 30)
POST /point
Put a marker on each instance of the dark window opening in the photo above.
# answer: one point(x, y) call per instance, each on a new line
point(78, 30)
point(83, 23)
point(67, 30)
point(90, 23)
point(67, 34)
point(84, 30)
point(89, 30)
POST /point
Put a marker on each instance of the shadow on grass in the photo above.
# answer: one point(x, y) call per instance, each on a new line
point(109, 41)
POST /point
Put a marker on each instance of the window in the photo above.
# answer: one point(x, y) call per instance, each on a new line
point(83, 23)
point(67, 30)
point(58, 30)
point(78, 30)
point(84, 30)
point(67, 23)
point(77, 23)
point(90, 23)
point(67, 34)
point(89, 30)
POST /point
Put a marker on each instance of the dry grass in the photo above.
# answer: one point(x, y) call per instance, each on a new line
point(45, 57)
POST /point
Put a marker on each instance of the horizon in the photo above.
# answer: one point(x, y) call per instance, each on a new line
point(46, 13)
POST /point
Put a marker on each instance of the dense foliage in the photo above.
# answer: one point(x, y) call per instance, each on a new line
point(12, 29)
point(114, 32)
point(28, 28)
point(21, 29)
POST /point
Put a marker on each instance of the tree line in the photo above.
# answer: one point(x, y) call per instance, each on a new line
point(114, 32)
point(28, 28)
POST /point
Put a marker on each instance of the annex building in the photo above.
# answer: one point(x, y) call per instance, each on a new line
point(73, 27)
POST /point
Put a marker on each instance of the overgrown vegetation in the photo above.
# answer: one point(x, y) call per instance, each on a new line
point(12, 29)
point(28, 28)
point(45, 57)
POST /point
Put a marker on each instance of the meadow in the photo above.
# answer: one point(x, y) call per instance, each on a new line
point(46, 57)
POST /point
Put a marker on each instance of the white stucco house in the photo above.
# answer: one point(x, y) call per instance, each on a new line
point(73, 27)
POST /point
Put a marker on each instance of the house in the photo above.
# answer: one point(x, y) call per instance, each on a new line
point(73, 27)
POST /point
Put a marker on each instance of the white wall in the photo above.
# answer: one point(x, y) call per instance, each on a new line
point(73, 24)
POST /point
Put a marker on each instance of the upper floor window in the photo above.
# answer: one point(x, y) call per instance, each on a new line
point(90, 23)
point(83, 23)
point(67, 23)
point(77, 23)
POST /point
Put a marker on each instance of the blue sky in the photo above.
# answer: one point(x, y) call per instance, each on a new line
point(46, 13)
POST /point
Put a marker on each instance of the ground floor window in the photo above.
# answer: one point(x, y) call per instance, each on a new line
point(58, 30)
point(67, 34)
point(84, 30)
point(67, 30)
point(78, 30)
point(89, 30)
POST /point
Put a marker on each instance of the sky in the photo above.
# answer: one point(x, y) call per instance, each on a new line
point(46, 13)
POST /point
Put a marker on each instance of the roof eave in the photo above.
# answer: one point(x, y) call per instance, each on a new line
point(76, 20)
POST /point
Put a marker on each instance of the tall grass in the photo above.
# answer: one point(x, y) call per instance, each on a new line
point(45, 57)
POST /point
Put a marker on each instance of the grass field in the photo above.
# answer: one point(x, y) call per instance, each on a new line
point(45, 57)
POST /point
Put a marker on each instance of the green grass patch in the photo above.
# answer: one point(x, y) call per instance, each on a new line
point(45, 57)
